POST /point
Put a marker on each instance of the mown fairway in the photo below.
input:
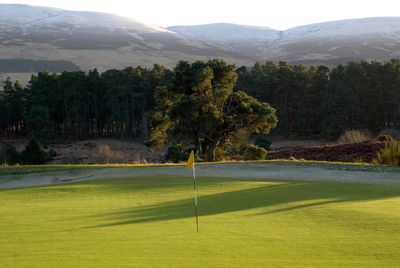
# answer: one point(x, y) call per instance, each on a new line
point(148, 222)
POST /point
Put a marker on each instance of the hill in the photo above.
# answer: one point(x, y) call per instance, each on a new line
point(94, 40)
point(331, 43)
point(105, 41)
point(244, 39)
point(28, 65)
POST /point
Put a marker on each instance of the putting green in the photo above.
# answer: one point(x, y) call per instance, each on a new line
point(148, 222)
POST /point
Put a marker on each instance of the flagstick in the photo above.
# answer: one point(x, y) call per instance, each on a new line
point(195, 198)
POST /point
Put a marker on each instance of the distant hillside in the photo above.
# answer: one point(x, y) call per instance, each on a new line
point(95, 40)
point(28, 65)
point(322, 43)
point(104, 41)
point(245, 39)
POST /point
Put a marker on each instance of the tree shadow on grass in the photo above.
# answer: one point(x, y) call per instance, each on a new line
point(270, 197)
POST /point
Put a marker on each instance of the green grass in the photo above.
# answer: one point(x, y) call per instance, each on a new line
point(148, 222)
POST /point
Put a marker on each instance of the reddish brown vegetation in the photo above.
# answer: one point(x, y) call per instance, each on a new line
point(365, 151)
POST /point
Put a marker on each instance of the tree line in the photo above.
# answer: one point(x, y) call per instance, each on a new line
point(309, 101)
point(318, 101)
point(78, 105)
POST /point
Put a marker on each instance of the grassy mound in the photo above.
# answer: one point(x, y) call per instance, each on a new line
point(148, 222)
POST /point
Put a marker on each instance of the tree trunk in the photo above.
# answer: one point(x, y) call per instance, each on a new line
point(211, 151)
point(96, 115)
point(145, 124)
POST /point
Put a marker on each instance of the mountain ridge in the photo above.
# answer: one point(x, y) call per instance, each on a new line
point(105, 41)
point(304, 28)
point(331, 42)
point(95, 40)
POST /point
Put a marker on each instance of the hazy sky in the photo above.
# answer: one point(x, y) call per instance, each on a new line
point(277, 14)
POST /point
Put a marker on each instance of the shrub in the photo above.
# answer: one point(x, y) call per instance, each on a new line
point(385, 137)
point(394, 133)
point(3, 154)
point(9, 154)
point(13, 157)
point(118, 157)
point(221, 153)
point(390, 155)
point(177, 153)
point(33, 154)
point(39, 124)
point(52, 153)
point(358, 160)
point(71, 159)
point(355, 136)
point(263, 141)
point(107, 155)
point(253, 152)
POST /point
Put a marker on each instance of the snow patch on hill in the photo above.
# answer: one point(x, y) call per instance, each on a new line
point(26, 16)
point(225, 32)
point(388, 26)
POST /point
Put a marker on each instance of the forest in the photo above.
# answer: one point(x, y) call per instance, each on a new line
point(311, 101)
point(318, 101)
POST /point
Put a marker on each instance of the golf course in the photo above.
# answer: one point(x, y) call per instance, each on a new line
point(143, 216)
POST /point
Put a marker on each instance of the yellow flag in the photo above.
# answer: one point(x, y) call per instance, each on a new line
point(190, 162)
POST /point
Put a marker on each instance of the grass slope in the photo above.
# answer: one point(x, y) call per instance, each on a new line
point(148, 222)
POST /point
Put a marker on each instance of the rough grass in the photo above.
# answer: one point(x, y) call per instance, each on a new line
point(355, 136)
point(390, 155)
point(148, 222)
point(7, 169)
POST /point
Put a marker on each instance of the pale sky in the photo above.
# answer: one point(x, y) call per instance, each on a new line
point(277, 14)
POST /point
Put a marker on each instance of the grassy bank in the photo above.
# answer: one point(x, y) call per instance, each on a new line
point(21, 169)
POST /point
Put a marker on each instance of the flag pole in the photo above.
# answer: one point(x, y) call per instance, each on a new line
point(190, 163)
point(195, 198)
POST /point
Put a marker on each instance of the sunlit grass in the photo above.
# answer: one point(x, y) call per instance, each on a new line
point(148, 222)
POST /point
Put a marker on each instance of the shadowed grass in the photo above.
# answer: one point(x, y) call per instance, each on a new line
point(148, 222)
point(264, 197)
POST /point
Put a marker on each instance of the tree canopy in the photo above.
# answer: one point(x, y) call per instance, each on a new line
point(200, 108)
